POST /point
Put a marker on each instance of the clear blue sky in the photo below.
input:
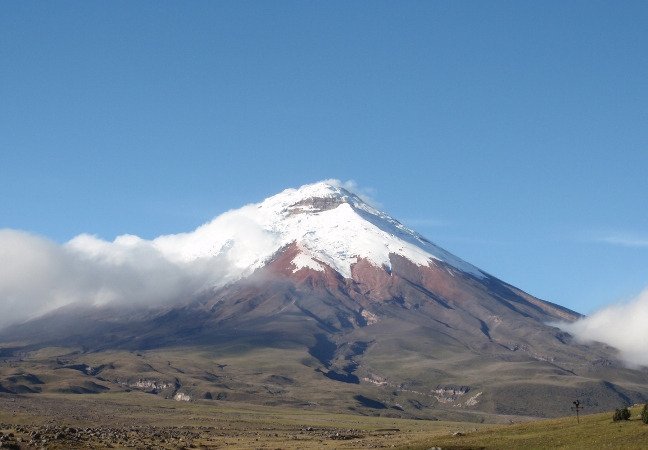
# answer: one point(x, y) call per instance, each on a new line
point(514, 134)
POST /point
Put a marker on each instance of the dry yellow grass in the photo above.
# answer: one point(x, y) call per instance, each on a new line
point(596, 431)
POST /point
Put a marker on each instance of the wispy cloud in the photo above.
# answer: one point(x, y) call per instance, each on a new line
point(473, 240)
point(622, 325)
point(367, 194)
point(426, 222)
point(625, 240)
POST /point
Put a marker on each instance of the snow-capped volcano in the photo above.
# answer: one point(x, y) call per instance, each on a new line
point(311, 294)
point(330, 226)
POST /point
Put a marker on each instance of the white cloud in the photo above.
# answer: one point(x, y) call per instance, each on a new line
point(39, 275)
point(623, 326)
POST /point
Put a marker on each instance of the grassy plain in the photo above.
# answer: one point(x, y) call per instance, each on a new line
point(138, 420)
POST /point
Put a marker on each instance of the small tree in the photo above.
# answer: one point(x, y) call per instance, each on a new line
point(644, 414)
point(621, 414)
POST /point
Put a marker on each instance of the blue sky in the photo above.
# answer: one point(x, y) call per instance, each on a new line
point(514, 134)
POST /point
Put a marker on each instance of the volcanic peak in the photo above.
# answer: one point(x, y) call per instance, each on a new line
point(336, 227)
point(329, 225)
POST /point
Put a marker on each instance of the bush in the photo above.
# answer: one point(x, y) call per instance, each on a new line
point(644, 414)
point(621, 414)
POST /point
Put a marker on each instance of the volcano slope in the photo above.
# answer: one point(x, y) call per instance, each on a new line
point(351, 312)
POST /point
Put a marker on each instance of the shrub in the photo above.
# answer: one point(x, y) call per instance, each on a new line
point(621, 414)
point(644, 414)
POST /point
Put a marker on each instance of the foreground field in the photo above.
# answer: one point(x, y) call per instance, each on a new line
point(137, 420)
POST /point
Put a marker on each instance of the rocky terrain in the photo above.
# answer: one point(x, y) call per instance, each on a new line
point(56, 436)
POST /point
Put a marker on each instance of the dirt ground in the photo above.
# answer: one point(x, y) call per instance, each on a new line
point(143, 421)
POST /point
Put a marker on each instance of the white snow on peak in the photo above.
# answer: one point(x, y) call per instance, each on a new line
point(302, 260)
point(330, 225)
